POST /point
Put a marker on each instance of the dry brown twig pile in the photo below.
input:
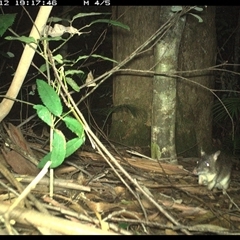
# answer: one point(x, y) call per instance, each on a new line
point(90, 199)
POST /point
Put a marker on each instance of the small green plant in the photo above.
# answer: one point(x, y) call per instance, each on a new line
point(58, 75)
point(51, 112)
point(6, 21)
point(193, 8)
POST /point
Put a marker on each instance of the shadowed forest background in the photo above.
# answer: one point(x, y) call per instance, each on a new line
point(98, 107)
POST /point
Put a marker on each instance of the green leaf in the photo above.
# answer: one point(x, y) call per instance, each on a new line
point(113, 23)
point(95, 56)
point(70, 81)
point(123, 225)
point(74, 125)
point(44, 114)
point(44, 160)
point(10, 54)
point(176, 8)
point(56, 19)
point(43, 67)
point(58, 148)
point(104, 58)
point(58, 58)
point(199, 9)
point(7, 54)
point(79, 15)
point(49, 97)
point(196, 16)
point(81, 58)
point(72, 72)
point(6, 21)
point(22, 39)
point(73, 145)
point(73, 84)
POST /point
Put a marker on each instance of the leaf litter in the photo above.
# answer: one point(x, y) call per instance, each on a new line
point(89, 198)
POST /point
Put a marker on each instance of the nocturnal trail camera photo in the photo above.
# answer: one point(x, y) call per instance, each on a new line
point(100, 118)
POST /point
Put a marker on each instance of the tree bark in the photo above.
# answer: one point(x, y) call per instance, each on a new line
point(134, 128)
point(194, 103)
point(164, 88)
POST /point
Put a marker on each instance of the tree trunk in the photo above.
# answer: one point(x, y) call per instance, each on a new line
point(133, 126)
point(194, 103)
point(164, 88)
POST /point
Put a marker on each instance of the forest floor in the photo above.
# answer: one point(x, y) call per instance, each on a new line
point(92, 197)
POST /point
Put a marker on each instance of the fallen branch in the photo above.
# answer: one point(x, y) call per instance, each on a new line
point(62, 226)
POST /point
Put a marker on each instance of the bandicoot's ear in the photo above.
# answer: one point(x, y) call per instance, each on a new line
point(216, 154)
point(202, 152)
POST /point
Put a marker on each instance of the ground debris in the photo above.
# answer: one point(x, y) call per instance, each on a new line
point(90, 199)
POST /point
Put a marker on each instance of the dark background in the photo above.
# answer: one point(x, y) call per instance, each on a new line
point(227, 28)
